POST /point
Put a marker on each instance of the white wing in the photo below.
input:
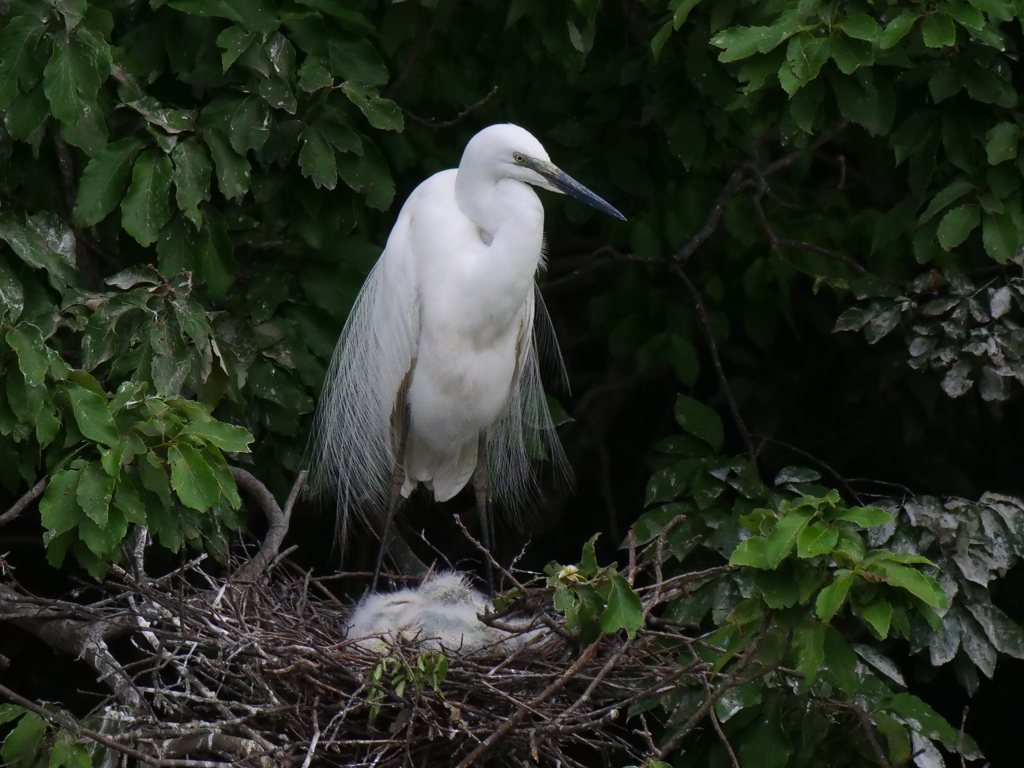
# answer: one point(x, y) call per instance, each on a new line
point(356, 427)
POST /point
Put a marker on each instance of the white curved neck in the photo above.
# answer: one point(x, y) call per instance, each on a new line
point(490, 201)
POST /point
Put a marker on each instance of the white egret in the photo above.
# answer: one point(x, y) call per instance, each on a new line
point(435, 377)
point(443, 614)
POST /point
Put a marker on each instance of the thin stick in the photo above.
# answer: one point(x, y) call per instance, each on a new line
point(723, 382)
point(20, 505)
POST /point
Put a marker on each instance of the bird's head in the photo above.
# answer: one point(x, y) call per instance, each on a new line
point(510, 152)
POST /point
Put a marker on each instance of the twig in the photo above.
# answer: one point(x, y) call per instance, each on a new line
point(732, 187)
point(722, 738)
point(106, 741)
point(811, 457)
point(868, 728)
point(20, 505)
point(602, 257)
point(433, 125)
point(316, 737)
point(723, 382)
point(792, 157)
point(524, 709)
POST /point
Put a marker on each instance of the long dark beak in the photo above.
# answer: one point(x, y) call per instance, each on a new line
point(567, 184)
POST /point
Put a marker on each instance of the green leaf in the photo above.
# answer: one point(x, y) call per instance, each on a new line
point(313, 75)
point(69, 755)
point(24, 742)
point(865, 517)
point(216, 255)
point(381, 113)
point(146, 207)
point(741, 42)
point(92, 415)
point(227, 437)
point(752, 552)
point(930, 722)
point(19, 40)
point(25, 117)
point(192, 478)
point(878, 613)
point(779, 543)
point(43, 242)
point(316, 159)
point(368, 173)
point(832, 597)
point(27, 342)
point(860, 26)
point(660, 38)
point(95, 490)
point(191, 176)
point(233, 171)
point(957, 225)
point(809, 643)
point(234, 40)
point(920, 585)
point(12, 295)
point(624, 610)
point(59, 510)
point(78, 67)
point(819, 538)
point(938, 31)
point(357, 60)
point(104, 181)
point(944, 197)
point(840, 660)
point(700, 421)
point(250, 125)
point(1001, 142)
point(1000, 235)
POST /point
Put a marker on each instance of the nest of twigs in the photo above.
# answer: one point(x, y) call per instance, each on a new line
point(254, 669)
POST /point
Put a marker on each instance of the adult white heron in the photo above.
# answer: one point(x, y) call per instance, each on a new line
point(435, 377)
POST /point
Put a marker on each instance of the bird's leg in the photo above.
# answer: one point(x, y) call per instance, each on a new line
point(480, 485)
point(397, 480)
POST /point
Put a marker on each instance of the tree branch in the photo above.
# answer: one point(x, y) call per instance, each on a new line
point(19, 506)
point(433, 125)
point(723, 382)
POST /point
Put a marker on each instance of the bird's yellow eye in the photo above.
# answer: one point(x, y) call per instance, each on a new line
point(519, 158)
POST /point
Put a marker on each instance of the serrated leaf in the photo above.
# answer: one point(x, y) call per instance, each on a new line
point(192, 169)
point(832, 597)
point(809, 643)
point(1000, 236)
point(357, 60)
point(1001, 142)
point(381, 113)
point(250, 125)
point(71, 79)
point(227, 437)
point(752, 552)
point(146, 206)
point(317, 160)
point(624, 609)
point(92, 415)
point(27, 342)
point(957, 225)
point(700, 421)
point(192, 478)
point(95, 490)
point(19, 39)
point(65, 754)
point(741, 42)
point(104, 181)
point(938, 31)
point(313, 75)
point(920, 585)
point(59, 510)
point(43, 242)
point(865, 517)
point(878, 613)
point(234, 40)
point(860, 26)
point(233, 171)
point(24, 741)
point(819, 538)
point(369, 175)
